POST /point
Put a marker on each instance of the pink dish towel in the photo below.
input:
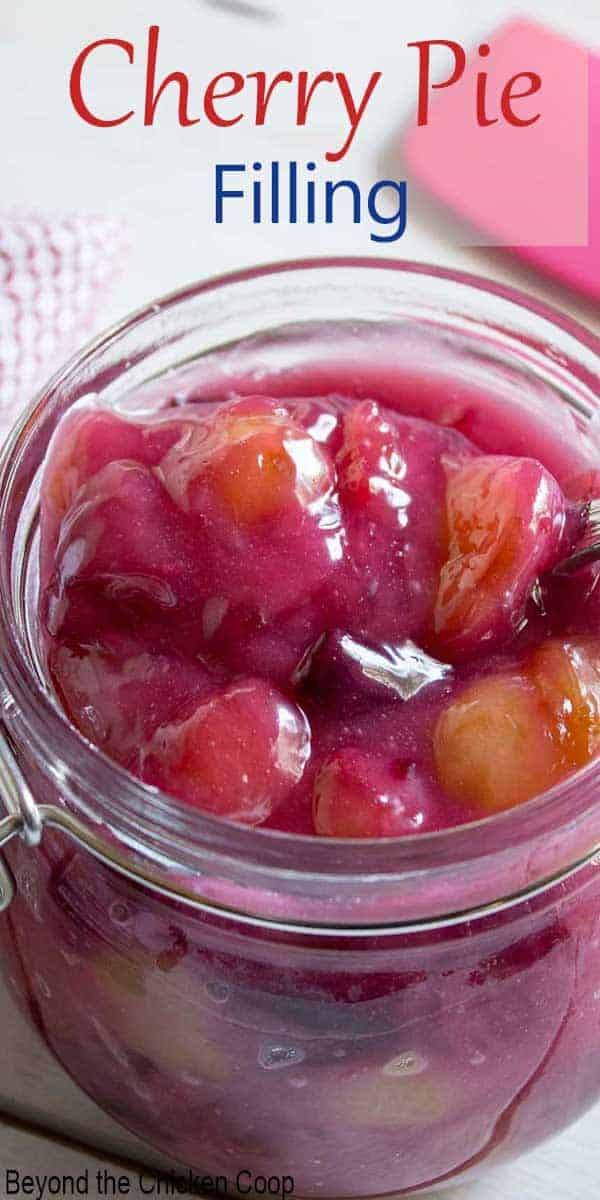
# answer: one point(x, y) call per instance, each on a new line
point(55, 277)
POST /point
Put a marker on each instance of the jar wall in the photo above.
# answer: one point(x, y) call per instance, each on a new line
point(360, 1067)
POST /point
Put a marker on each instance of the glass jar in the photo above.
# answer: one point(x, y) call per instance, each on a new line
point(362, 1018)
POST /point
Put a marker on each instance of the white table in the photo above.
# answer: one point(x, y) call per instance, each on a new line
point(161, 180)
point(565, 1170)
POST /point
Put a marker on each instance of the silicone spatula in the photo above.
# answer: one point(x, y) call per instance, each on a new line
point(534, 189)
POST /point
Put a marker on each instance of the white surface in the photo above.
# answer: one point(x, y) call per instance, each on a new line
point(161, 180)
point(566, 1169)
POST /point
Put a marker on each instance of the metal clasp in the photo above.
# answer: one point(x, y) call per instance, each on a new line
point(8, 828)
point(23, 817)
point(27, 820)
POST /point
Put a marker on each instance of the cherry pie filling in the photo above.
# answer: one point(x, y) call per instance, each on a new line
point(324, 617)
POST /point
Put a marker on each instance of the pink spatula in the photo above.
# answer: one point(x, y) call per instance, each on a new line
point(534, 189)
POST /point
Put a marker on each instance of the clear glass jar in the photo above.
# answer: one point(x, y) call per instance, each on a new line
point(365, 1018)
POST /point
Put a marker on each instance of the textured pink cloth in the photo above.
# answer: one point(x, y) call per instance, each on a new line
point(55, 276)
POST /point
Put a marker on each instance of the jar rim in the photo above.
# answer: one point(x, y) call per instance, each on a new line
point(152, 821)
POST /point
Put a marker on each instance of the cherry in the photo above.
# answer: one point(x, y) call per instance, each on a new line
point(358, 795)
point(241, 638)
point(87, 440)
point(493, 746)
point(392, 486)
point(134, 1002)
point(122, 539)
point(238, 755)
point(395, 1101)
point(506, 738)
point(254, 457)
point(257, 477)
point(506, 518)
point(117, 692)
point(259, 491)
point(567, 677)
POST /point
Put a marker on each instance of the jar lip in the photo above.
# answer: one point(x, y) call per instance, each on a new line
point(149, 817)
